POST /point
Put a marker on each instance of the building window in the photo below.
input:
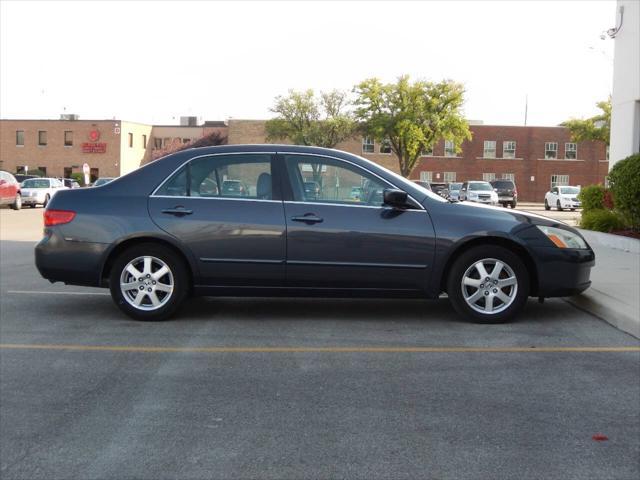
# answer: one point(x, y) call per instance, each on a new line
point(550, 150)
point(21, 169)
point(449, 177)
point(68, 138)
point(67, 172)
point(570, 151)
point(509, 149)
point(144, 141)
point(427, 152)
point(130, 140)
point(157, 143)
point(42, 137)
point(367, 145)
point(489, 149)
point(488, 177)
point(426, 176)
point(509, 176)
point(559, 180)
point(449, 149)
point(385, 146)
point(20, 138)
point(185, 141)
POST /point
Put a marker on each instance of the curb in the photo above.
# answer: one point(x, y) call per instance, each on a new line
point(619, 242)
point(603, 306)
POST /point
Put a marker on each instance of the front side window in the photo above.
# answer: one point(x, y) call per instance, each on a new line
point(68, 138)
point(232, 176)
point(327, 180)
point(570, 151)
point(20, 138)
point(367, 145)
point(558, 180)
point(449, 149)
point(489, 149)
point(488, 177)
point(385, 146)
point(550, 150)
point(509, 149)
point(42, 137)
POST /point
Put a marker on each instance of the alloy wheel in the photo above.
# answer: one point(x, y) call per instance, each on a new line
point(489, 286)
point(146, 283)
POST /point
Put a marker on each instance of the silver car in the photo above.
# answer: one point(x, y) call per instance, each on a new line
point(454, 190)
point(38, 191)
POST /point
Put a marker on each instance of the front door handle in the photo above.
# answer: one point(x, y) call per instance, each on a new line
point(307, 218)
point(177, 211)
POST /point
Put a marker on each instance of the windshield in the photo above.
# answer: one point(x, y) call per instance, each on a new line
point(480, 186)
point(455, 186)
point(570, 190)
point(35, 183)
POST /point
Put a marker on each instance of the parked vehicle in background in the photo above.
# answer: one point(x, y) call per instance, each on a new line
point(69, 182)
point(478, 191)
point(39, 191)
point(357, 194)
point(439, 188)
point(167, 241)
point(507, 192)
point(103, 181)
point(426, 185)
point(562, 197)
point(454, 190)
point(312, 189)
point(21, 177)
point(234, 188)
point(10, 191)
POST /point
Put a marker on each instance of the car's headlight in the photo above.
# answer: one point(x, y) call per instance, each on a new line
point(563, 238)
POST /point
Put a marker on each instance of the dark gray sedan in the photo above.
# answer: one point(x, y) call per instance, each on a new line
point(174, 228)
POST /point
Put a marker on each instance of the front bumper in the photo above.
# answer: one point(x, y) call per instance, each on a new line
point(563, 272)
point(570, 204)
point(71, 262)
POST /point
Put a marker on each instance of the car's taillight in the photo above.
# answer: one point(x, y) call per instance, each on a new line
point(57, 217)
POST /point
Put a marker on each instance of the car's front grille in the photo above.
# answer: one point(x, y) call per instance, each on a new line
point(484, 197)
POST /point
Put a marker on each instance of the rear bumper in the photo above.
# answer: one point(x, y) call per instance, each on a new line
point(71, 262)
point(563, 272)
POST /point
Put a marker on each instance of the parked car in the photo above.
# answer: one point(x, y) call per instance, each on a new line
point(507, 192)
point(312, 190)
point(103, 181)
point(562, 197)
point(234, 188)
point(454, 190)
point(21, 177)
point(423, 184)
point(40, 191)
point(439, 188)
point(478, 191)
point(10, 191)
point(153, 241)
point(357, 193)
point(69, 182)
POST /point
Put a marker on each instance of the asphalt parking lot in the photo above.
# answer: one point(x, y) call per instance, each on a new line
point(297, 388)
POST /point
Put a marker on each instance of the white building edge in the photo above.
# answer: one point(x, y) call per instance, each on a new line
point(625, 98)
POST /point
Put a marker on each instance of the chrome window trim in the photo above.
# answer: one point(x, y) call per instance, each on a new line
point(218, 198)
point(355, 165)
point(326, 204)
point(153, 194)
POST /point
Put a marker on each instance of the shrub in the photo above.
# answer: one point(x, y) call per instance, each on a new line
point(592, 197)
point(602, 220)
point(609, 202)
point(78, 177)
point(625, 185)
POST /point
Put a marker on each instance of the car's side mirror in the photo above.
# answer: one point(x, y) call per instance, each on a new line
point(395, 198)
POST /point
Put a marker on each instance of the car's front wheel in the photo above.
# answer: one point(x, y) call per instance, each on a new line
point(488, 284)
point(546, 205)
point(149, 282)
point(558, 206)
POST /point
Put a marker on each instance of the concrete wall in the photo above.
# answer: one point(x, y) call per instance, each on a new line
point(625, 100)
point(137, 153)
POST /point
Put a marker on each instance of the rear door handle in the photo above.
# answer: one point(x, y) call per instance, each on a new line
point(178, 211)
point(307, 218)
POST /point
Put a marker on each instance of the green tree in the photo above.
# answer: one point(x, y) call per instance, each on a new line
point(411, 116)
point(594, 128)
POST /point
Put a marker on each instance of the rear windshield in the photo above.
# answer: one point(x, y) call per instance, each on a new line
point(480, 186)
point(503, 184)
point(455, 186)
point(35, 183)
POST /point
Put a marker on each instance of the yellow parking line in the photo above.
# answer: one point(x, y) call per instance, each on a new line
point(152, 349)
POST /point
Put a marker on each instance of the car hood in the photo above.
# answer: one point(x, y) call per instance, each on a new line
point(475, 209)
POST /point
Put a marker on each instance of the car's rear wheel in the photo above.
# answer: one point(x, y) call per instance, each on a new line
point(17, 202)
point(148, 282)
point(46, 200)
point(488, 284)
point(546, 205)
point(514, 204)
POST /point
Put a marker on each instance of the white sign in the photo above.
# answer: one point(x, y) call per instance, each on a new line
point(85, 169)
point(26, 169)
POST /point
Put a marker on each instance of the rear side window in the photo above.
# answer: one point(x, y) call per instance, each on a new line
point(226, 176)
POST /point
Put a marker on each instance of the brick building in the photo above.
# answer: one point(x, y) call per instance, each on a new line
point(535, 157)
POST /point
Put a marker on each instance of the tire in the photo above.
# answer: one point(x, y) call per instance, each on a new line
point(17, 202)
point(515, 294)
point(176, 277)
point(573, 209)
point(33, 205)
point(558, 206)
point(505, 205)
point(514, 204)
point(546, 205)
point(46, 201)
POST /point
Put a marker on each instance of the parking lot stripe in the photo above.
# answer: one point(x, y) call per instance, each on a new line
point(152, 349)
point(41, 292)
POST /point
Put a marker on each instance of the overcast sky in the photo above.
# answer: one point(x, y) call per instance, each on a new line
point(155, 61)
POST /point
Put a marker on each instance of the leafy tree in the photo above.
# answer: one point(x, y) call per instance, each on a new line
point(594, 128)
point(176, 145)
point(412, 116)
